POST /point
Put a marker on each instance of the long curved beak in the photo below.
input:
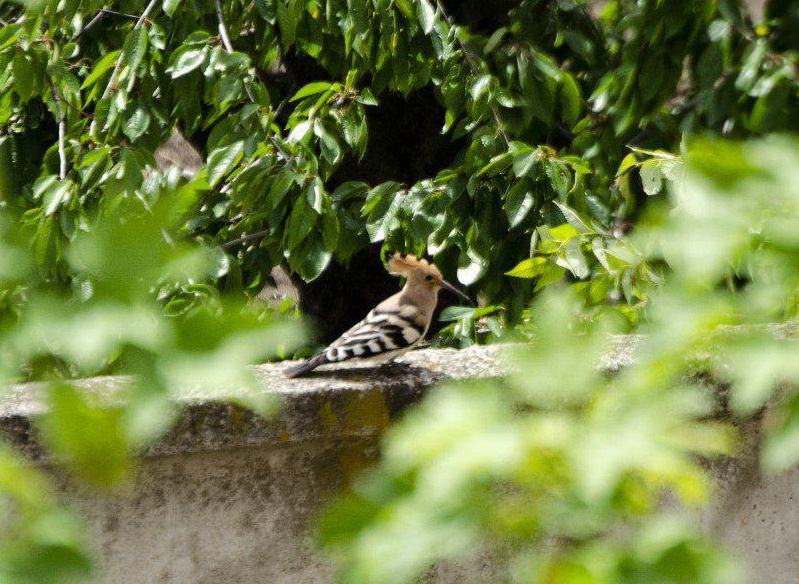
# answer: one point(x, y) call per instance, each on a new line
point(447, 286)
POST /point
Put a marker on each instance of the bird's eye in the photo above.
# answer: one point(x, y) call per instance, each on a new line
point(429, 278)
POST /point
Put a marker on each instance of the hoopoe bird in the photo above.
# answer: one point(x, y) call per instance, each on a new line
point(394, 326)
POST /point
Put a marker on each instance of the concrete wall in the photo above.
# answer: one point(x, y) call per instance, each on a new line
point(230, 498)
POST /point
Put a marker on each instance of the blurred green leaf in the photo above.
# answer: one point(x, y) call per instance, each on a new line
point(87, 437)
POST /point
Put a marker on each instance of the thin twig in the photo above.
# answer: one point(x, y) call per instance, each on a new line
point(282, 104)
point(62, 133)
point(222, 28)
point(97, 18)
point(115, 73)
point(470, 61)
point(245, 239)
point(112, 81)
point(223, 33)
point(122, 14)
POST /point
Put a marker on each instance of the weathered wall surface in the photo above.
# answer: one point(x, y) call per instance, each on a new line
point(757, 519)
point(230, 498)
point(224, 517)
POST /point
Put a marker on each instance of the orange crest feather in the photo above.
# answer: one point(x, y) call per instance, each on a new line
point(400, 264)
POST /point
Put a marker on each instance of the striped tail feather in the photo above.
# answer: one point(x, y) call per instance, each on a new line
point(306, 366)
point(385, 332)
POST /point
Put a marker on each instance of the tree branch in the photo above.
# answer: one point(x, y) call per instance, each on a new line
point(112, 81)
point(222, 28)
point(97, 18)
point(223, 33)
point(470, 58)
point(62, 132)
point(245, 239)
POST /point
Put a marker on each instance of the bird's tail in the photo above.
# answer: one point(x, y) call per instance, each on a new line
point(306, 366)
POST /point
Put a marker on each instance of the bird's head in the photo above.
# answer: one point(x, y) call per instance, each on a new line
point(421, 273)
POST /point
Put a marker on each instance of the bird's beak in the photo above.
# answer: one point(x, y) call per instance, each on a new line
point(447, 286)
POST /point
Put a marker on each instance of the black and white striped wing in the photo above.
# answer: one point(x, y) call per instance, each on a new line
point(382, 332)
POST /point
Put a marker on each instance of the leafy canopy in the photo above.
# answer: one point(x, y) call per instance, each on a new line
point(563, 119)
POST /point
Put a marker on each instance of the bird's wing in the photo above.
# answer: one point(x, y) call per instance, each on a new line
point(385, 329)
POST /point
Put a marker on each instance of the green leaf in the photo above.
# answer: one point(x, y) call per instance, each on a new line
point(561, 233)
point(300, 223)
point(353, 127)
point(651, 177)
point(380, 225)
point(9, 176)
point(103, 65)
point(529, 268)
point(187, 61)
point(496, 165)
point(50, 549)
point(559, 177)
point(170, 7)
point(25, 73)
point(331, 150)
point(751, 67)
point(330, 230)
point(379, 198)
point(42, 185)
point(289, 13)
point(222, 160)
point(575, 259)
point(769, 107)
point(427, 15)
point(314, 258)
point(280, 188)
point(350, 190)
point(781, 448)
point(519, 201)
point(405, 7)
point(136, 125)
point(629, 161)
point(547, 66)
point(267, 10)
point(135, 47)
point(366, 97)
point(453, 313)
point(315, 194)
point(573, 218)
point(89, 438)
point(311, 89)
point(571, 99)
point(55, 196)
point(480, 87)
point(471, 267)
point(299, 132)
point(9, 34)
point(494, 40)
point(525, 161)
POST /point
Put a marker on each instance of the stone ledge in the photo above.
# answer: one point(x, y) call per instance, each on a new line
point(344, 401)
point(261, 483)
point(341, 401)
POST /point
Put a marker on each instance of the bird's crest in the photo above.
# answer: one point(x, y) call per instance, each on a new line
point(400, 264)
